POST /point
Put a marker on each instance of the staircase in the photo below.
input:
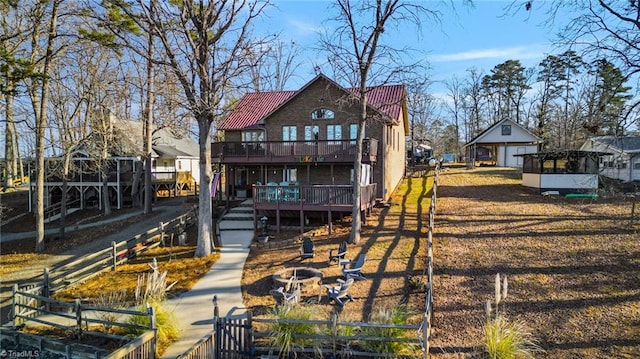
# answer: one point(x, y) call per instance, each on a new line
point(237, 223)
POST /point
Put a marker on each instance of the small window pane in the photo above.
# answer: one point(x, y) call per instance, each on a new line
point(506, 130)
point(311, 133)
point(322, 114)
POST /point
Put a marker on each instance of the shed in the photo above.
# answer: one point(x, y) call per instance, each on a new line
point(500, 143)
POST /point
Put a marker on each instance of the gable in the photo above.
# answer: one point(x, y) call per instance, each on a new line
point(505, 131)
point(253, 108)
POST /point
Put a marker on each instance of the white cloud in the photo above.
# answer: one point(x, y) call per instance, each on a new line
point(304, 28)
point(517, 52)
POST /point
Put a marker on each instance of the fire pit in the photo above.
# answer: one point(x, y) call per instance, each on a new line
point(307, 278)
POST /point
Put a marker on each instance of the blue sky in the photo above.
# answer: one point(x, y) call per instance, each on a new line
point(481, 36)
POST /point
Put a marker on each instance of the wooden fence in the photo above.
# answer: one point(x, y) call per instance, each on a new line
point(81, 320)
point(84, 267)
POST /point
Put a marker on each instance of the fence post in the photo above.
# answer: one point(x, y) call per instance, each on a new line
point(161, 226)
point(14, 305)
point(152, 316)
point(334, 333)
point(216, 328)
point(46, 290)
point(45, 282)
point(114, 253)
point(78, 310)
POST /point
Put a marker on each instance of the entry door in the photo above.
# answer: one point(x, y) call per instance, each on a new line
point(520, 151)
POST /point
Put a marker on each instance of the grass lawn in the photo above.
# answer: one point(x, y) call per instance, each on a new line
point(572, 264)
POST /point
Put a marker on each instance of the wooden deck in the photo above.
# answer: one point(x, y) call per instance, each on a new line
point(335, 151)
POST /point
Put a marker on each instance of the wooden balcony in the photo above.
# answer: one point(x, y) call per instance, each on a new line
point(293, 197)
point(334, 151)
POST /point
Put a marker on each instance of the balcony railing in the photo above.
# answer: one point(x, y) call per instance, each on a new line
point(319, 196)
point(293, 151)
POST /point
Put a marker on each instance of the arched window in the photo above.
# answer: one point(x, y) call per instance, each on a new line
point(322, 114)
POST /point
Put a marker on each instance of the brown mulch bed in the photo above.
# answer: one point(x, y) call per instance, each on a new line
point(572, 265)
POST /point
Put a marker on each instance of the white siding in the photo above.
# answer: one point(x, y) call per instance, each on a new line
point(517, 134)
point(506, 154)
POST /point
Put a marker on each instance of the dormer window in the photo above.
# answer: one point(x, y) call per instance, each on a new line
point(322, 114)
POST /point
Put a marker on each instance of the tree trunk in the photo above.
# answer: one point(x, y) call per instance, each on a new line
point(148, 127)
point(205, 222)
point(9, 144)
point(356, 215)
point(41, 123)
point(135, 187)
point(106, 200)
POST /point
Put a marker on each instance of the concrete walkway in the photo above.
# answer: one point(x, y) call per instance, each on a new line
point(194, 309)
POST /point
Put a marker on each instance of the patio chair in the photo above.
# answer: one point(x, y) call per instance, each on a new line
point(283, 297)
point(353, 269)
point(340, 293)
point(339, 253)
point(307, 249)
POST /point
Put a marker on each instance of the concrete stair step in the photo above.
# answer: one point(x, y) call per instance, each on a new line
point(235, 224)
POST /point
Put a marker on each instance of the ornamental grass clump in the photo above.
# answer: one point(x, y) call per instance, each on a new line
point(151, 291)
point(504, 338)
point(394, 340)
point(289, 332)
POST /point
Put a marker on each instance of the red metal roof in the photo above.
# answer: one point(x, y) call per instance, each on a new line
point(254, 106)
point(387, 99)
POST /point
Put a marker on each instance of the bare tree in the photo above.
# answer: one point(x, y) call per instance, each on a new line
point(358, 56)
point(455, 106)
point(43, 54)
point(204, 43)
point(274, 65)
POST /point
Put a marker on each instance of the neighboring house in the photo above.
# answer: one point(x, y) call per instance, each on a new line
point(294, 151)
point(623, 162)
point(561, 172)
point(500, 143)
point(175, 168)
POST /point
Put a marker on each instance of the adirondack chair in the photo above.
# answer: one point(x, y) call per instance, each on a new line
point(353, 269)
point(284, 297)
point(339, 253)
point(290, 294)
point(307, 249)
point(340, 293)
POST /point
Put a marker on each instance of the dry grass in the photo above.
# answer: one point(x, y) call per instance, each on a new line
point(573, 267)
point(181, 266)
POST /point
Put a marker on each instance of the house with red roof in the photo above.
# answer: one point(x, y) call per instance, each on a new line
point(293, 152)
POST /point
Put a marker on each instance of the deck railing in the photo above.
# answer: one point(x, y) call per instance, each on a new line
point(322, 195)
point(296, 151)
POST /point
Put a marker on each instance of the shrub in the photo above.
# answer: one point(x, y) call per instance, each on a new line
point(397, 315)
point(283, 333)
point(505, 339)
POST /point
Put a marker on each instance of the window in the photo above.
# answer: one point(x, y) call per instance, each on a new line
point(291, 175)
point(334, 132)
point(288, 133)
point(636, 166)
point(311, 133)
point(252, 136)
point(353, 133)
point(322, 114)
point(506, 130)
